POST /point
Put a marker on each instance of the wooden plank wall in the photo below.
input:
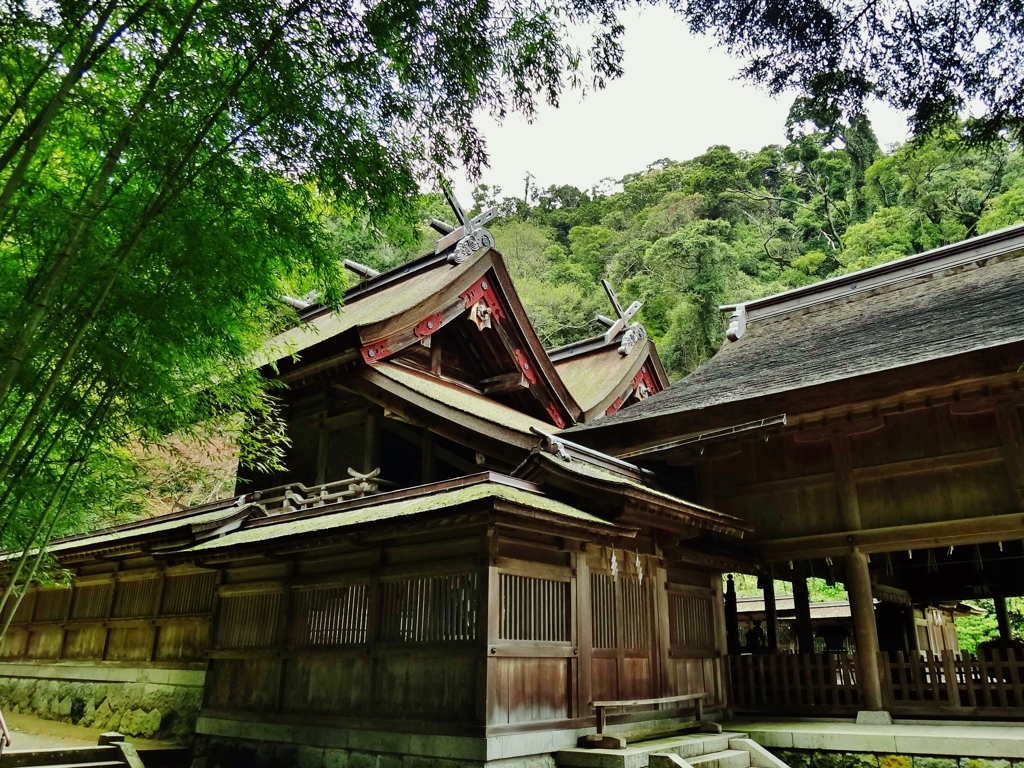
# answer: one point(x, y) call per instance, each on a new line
point(925, 464)
point(385, 634)
point(148, 615)
point(472, 631)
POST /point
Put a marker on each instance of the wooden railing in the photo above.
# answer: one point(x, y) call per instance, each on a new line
point(794, 683)
point(962, 687)
point(912, 684)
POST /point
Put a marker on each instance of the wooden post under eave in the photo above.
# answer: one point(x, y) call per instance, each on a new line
point(771, 617)
point(732, 622)
point(1002, 618)
point(802, 611)
point(862, 608)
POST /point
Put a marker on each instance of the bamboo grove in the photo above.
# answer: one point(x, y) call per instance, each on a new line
point(165, 173)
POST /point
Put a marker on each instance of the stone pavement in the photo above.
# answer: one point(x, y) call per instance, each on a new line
point(806, 743)
point(30, 732)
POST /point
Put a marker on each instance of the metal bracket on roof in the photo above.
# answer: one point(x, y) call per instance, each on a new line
point(634, 333)
point(470, 236)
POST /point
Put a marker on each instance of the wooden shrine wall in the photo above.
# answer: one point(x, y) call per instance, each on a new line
point(393, 633)
point(503, 632)
point(147, 615)
point(623, 636)
point(926, 463)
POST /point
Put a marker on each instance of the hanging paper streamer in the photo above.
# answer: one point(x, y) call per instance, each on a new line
point(615, 565)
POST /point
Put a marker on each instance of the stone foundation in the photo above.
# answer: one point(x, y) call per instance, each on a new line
point(809, 758)
point(218, 752)
point(134, 707)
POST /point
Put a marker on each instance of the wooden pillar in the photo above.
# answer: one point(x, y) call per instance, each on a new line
point(1013, 448)
point(1002, 618)
point(771, 617)
point(802, 610)
point(846, 485)
point(732, 621)
point(858, 585)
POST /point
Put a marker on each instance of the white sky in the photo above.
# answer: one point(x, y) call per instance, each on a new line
point(678, 97)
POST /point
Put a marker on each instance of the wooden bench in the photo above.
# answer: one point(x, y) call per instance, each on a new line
point(604, 741)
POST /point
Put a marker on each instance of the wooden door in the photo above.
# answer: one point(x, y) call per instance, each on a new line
point(625, 644)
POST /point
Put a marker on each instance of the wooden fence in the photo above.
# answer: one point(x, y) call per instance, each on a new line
point(915, 684)
point(794, 683)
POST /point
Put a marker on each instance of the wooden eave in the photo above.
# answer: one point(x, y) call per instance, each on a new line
point(641, 507)
point(417, 405)
point(868, 395)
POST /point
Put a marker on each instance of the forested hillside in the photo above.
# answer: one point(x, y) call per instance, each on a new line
point(686, 236)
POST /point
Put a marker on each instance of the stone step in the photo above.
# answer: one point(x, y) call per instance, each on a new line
point(727, 758)
point(637, 755)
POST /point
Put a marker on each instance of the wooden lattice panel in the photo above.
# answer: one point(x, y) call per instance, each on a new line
point(136, 598)
point(690, 621)
point(430, 609)
point(636, 613)
point(248, 621)
point(534, 609)
point(602, 609)
point(91, 601)
point(334, 615)
point(187, 593)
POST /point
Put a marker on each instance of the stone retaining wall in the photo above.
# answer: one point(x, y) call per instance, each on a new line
point(134, 708)
point(809, 758)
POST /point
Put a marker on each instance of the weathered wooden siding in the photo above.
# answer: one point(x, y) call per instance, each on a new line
point(924, 464)
point(146, 616)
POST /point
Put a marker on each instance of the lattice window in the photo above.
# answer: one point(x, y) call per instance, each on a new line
point(690, 621)
point(329, 616)
point(52, 604)
point(136, 597)
point(636, 613)
point(248, 621)
point(534, 609)
point(602, 610)
point(91, 601)
point(186, 593)
point(430, 609)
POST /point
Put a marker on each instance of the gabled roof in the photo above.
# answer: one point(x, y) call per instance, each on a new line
point(602, 379)
point(401, 312)
point(947, 302)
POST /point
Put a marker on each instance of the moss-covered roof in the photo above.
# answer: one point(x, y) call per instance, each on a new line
point(112, 537)
point(913, 322)
point(366, 310)
point(599, 376)
point(386, 510)
point(462, 399)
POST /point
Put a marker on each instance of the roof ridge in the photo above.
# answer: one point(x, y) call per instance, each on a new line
point(889, 275)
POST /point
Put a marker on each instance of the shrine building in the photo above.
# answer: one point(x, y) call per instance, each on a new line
point(482, 551)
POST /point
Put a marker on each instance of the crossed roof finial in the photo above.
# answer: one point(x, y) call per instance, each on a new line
point(615, 326)
point(469, 235)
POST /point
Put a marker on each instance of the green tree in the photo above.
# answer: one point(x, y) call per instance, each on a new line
point(933, 59)
point(168, 169)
